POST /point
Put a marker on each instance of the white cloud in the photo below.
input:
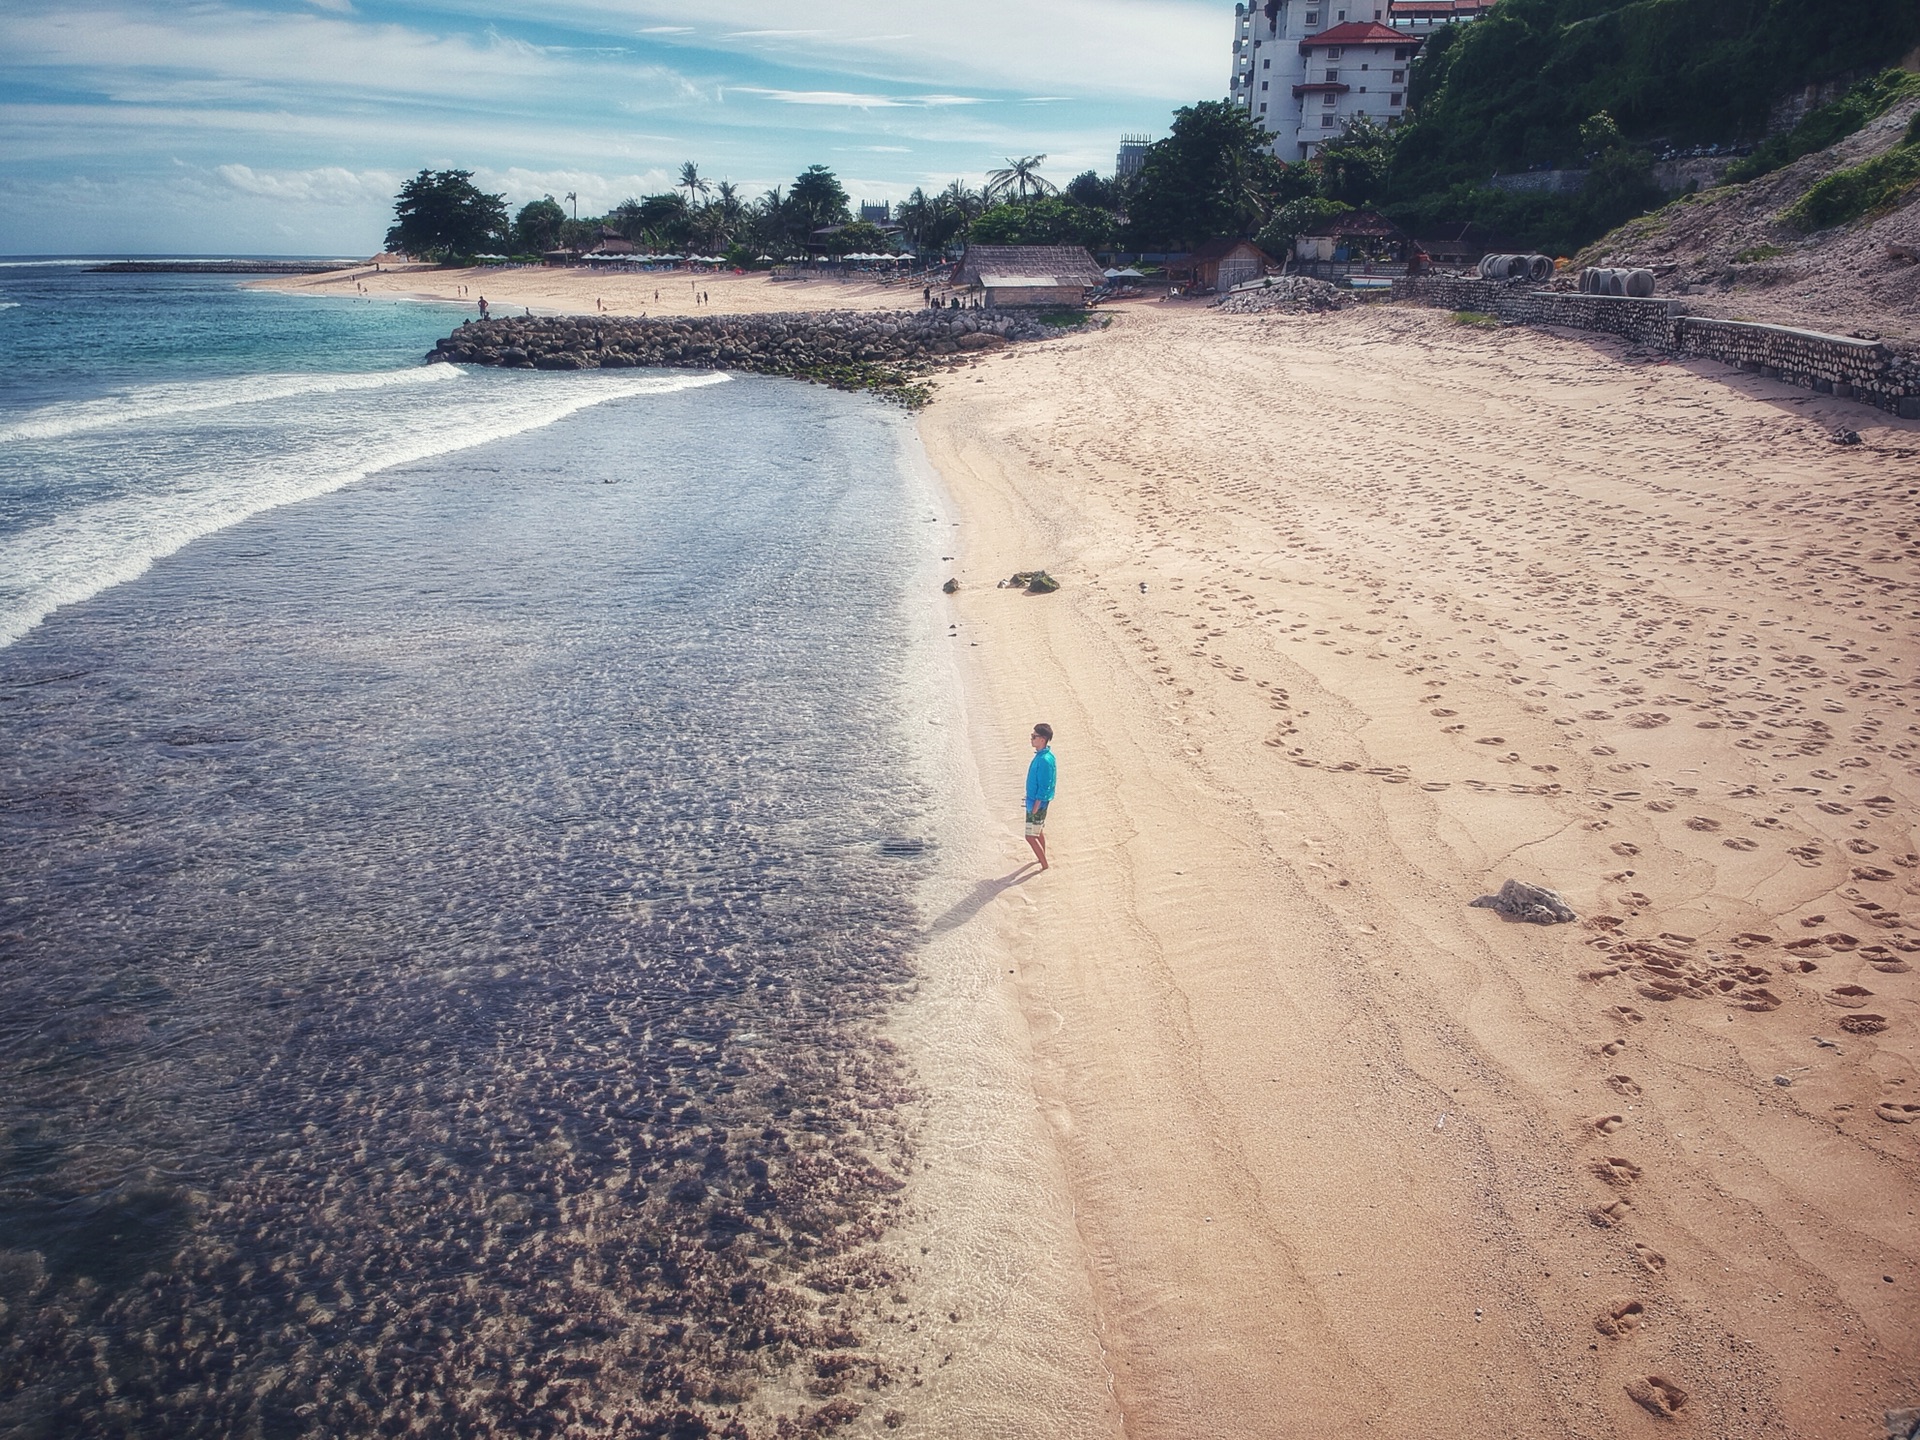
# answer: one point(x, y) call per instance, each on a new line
point(854, 100)
point(327, 185)
point(1175, 50)
point(219, 53)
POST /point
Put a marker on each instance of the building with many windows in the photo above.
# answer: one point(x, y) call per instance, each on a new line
point(1305, 69)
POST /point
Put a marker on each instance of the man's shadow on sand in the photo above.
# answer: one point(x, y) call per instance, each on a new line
point(982, 895)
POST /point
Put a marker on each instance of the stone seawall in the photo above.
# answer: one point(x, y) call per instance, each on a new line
point(1851, 368)
point(843, 346)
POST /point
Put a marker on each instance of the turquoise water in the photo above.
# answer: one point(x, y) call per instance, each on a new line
point(450, 892)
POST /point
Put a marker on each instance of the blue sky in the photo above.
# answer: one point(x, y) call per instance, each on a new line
point(285, 126)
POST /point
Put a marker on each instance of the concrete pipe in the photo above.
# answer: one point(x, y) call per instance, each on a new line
point(1639, 283)
point(1616, 282)
point(1539, 268)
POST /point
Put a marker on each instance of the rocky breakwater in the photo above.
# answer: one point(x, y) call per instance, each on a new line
point(882, 351)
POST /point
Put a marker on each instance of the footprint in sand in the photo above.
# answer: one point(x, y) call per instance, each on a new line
point(1624, 1085)
point(1798, 967)
point(1849, 997)
point(1616, 1170)
point(1649, 1257)
point(1741, 842)
point(1885, 961)
point(1897, 1112)
point(1621, 1317)
point(1658, 1394)
point(1607, 1216)
point(1607, 1124)
point(1626, 1013)
point(1863, 1024)
point(1703, 824)
point(1613, 1047)
point(1624, 848)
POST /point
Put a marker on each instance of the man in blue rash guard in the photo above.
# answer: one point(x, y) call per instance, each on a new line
point(1040, 778)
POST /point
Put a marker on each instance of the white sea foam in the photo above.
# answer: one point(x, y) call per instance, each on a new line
point(9, 304)
point(145, 404)
point(296, 450)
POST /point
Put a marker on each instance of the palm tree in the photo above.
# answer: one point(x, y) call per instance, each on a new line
point(916, 215)
point(1022, 179)
point(957, 199)
point(691, 182)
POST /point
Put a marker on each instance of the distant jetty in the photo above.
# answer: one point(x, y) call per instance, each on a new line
point(854, 350)
point(223, 267)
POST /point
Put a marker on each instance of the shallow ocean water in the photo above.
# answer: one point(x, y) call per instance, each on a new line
point(441, 933)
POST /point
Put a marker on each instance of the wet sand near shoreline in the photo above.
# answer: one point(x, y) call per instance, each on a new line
point(575, 291)
point(1362, 615)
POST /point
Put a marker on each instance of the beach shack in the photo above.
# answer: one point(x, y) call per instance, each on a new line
point(1459, 246)
point(1353, 237)
point(1221, 265)
point(1008, 276)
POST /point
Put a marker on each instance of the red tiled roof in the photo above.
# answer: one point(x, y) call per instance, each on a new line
point(1358, 32)
point(1425, 8)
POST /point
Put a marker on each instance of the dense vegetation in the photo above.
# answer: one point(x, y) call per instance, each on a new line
point(1525, 86)
point(1861, 189)
point(1826, 124)
point(1598, 85)
point(1512, 90)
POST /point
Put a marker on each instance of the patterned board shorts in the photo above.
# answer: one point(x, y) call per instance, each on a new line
point(1037, 819)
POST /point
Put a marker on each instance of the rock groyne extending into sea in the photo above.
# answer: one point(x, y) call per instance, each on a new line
point(863, 350)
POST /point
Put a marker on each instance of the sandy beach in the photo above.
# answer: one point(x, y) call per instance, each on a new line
point(1363, 614)
point(1241, 1121)
point(575, 291)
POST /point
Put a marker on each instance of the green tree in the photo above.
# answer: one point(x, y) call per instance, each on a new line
point(1098, 192)
point(442, 213)
point(1279, 233)
point(1213, 176)
point(1020, 179)
point(1353, 168)
point(1599, 133)
point(862, 237)
point(659, 222)
point(690, 181)
point(537, 227)
point(1048, 220)
point(817, 199)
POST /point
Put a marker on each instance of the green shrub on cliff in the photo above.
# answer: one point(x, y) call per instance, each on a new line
point(1834, 121)
point(1860, 189)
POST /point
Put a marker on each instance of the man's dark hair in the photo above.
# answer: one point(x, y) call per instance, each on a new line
point(1044, 731)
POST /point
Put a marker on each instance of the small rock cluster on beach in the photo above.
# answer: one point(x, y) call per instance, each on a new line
point(781, 344)
point(1288, 292)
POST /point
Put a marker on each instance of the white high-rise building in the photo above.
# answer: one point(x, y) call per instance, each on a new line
point(1304, 69)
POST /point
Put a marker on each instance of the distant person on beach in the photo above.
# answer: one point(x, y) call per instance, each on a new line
point(483, 307)
point(1041, 772)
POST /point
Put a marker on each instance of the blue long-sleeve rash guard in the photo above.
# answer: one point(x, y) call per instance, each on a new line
point(1041, 774)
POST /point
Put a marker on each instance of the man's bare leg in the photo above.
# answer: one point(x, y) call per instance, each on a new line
point(1039, 845)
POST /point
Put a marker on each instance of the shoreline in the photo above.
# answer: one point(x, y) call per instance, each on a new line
point(1312, 1110)
point(541, 291)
